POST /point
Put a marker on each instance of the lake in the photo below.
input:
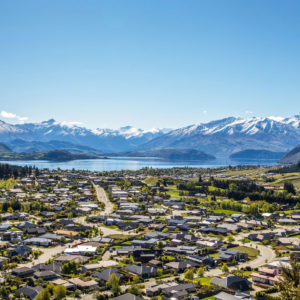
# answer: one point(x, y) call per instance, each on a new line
point(134, 163)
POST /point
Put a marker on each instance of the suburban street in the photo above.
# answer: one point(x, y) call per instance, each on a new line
point(102, 197)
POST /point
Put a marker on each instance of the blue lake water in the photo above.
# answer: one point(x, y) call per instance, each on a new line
point(134, 163)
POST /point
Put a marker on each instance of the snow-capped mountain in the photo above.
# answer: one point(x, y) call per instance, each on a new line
point(221, 137)
point(226, 136)
point(107, 140)
point(129, 132)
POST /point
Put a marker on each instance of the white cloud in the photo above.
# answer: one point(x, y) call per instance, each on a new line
point(9, 115)
point(204, 111)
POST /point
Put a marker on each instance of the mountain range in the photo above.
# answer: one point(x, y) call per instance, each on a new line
point(106, 140)
point(219, 138)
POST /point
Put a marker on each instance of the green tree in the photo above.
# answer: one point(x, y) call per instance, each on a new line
point(289, 187)
point(135, 279)
point(224, 268)
point(59, 292)
point(135, 289)
point(4, 293)
point(189, 274)
point(113, 284)
point(290, 284)
point(43, 295)
point(159, 272)
point(69, 268)
point(200, 272)
point(160, 244)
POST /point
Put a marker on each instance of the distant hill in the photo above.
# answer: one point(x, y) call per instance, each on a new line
point(173, 154)
point(256, 154)
point(4, 148)
point(20, 145)
point(292, 157)
point(55, 155)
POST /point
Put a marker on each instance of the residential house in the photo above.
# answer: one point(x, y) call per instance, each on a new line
point(141, 271)
point(105, 275)
point(230, 255)
point(178, 266)
point(29, 292)
point(22, 272)
point(266, 276)
point(232, 283)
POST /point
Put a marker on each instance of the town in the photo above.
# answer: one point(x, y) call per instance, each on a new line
point(182, 233)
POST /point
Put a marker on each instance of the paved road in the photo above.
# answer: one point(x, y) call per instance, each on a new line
point(109, 208)
point(102, 197)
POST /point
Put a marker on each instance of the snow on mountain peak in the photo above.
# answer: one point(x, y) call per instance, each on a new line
point(128, 132)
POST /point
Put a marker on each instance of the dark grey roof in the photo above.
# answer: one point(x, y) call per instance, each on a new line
point(47, 273)
point(140, 270)
point(104, 275)
point(178, 264)
point(54, 266)
point(28, 291)
point(128, 296)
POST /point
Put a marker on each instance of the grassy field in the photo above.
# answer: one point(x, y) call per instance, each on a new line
point(294, 181)
point(252, 252)
point(120, 236)
point(252, 172)
point(227, 212)
point(174, 194)
point(151, 180)
point(213, 188)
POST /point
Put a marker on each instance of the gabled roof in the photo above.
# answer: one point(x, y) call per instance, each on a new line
point(28, 291)
point(105, 275)
point(232, 281)
point(128, 296)
point(140, 270)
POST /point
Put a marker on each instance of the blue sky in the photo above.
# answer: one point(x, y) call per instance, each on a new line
point(164, 63)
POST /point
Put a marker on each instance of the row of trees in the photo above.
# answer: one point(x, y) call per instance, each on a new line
point(9, 171)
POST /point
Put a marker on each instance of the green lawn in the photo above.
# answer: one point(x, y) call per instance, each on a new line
point(215, 255)
point(227, 212)
point(205, 280)
point(120, 236)
point(174, 194)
